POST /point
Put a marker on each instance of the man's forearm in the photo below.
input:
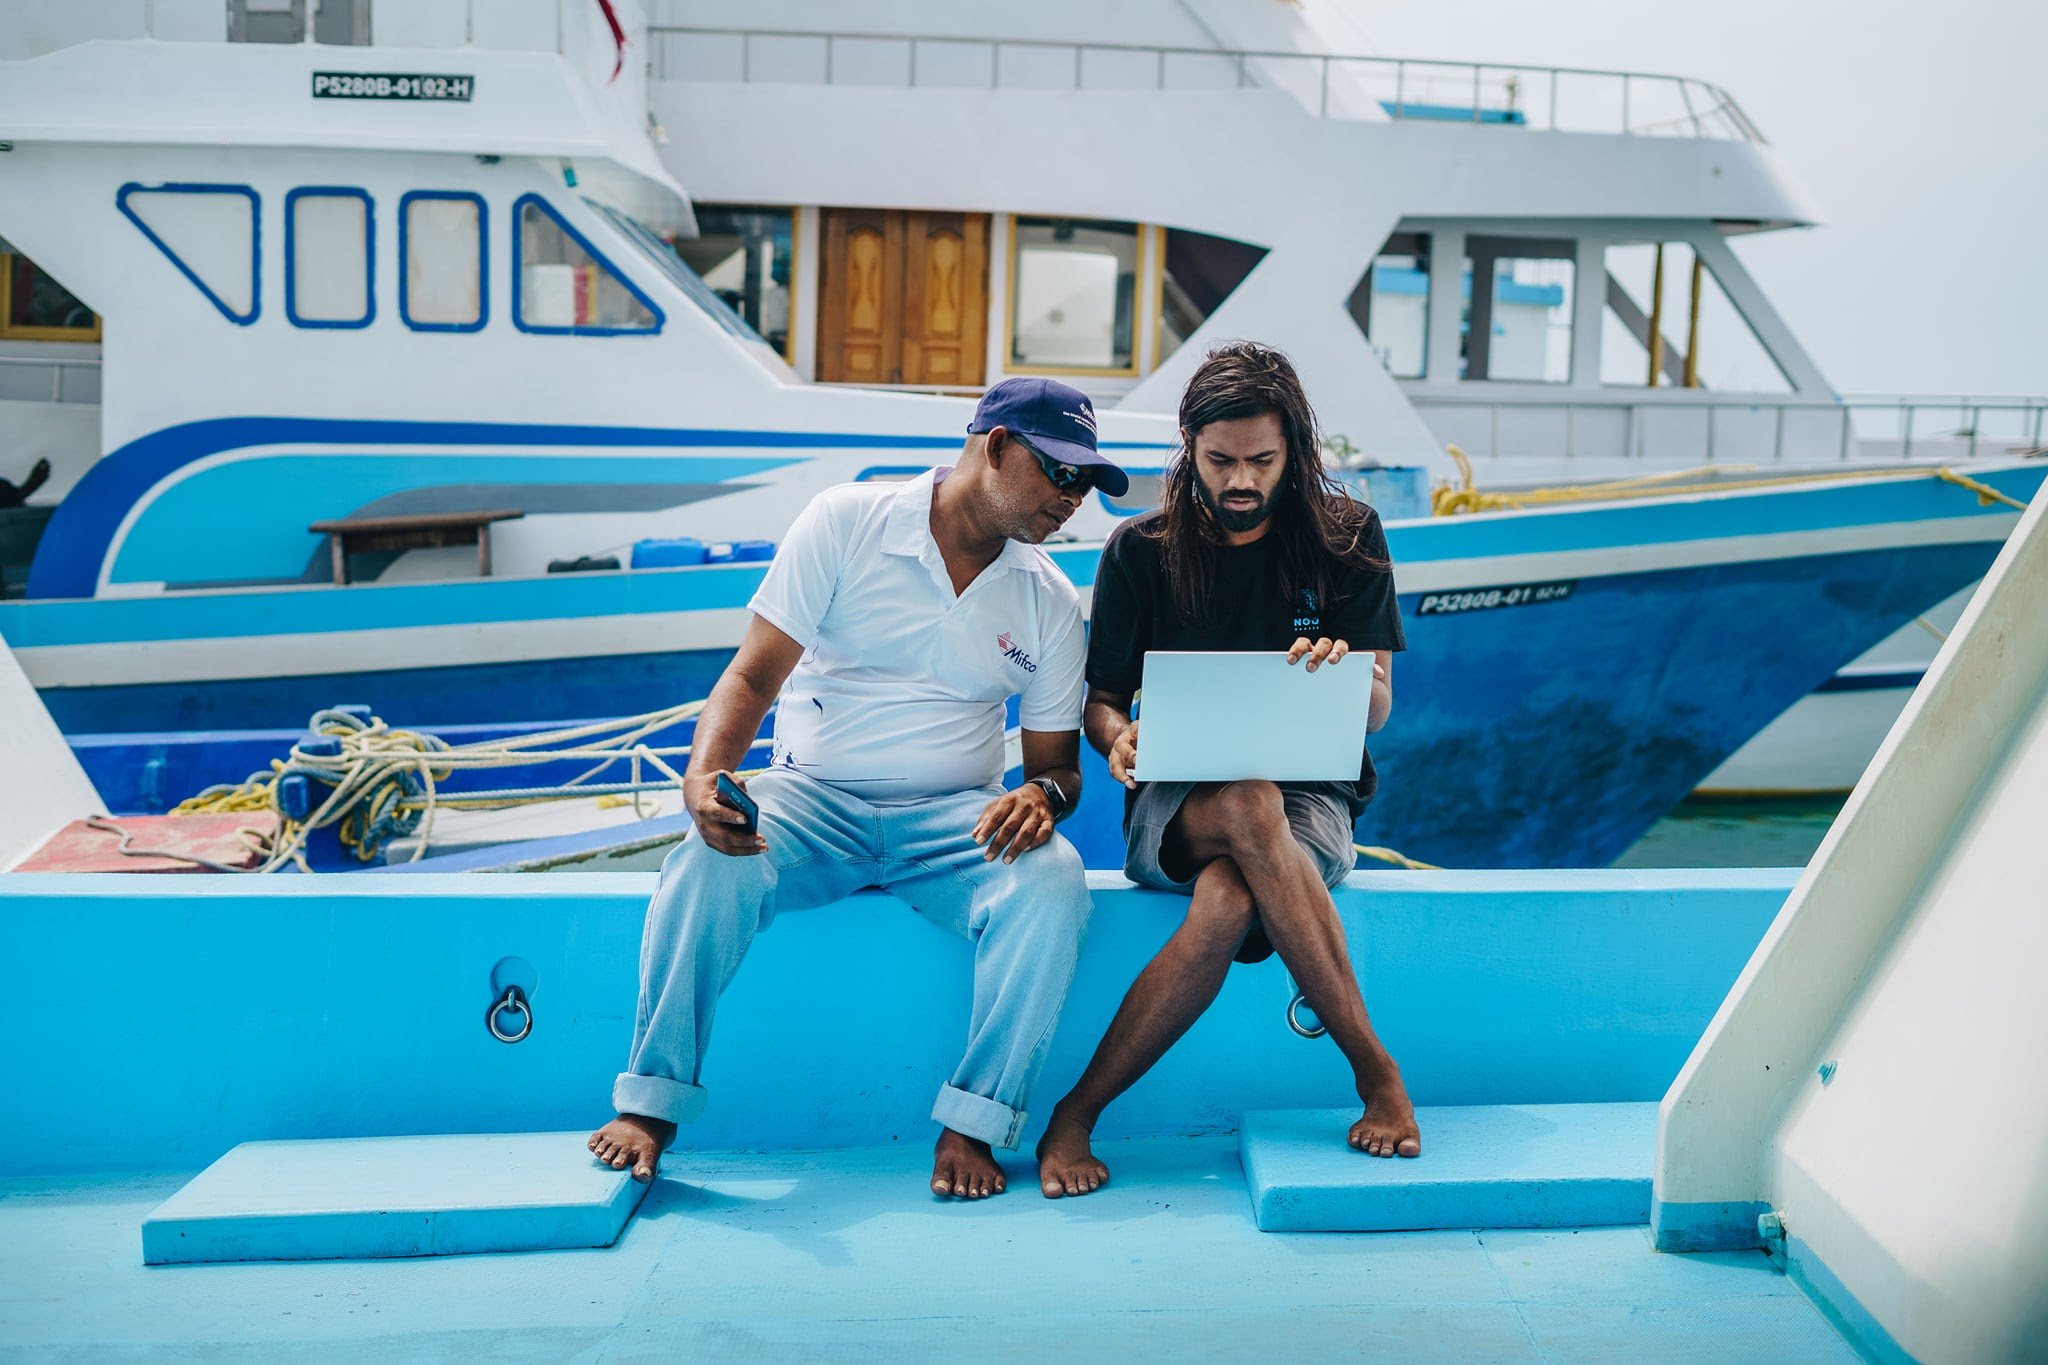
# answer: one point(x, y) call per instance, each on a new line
point(1103, 721)
point(727, 726)
point(1381, 706)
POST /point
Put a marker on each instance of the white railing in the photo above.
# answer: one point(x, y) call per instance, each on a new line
point(1556, 98)
point(1669, 427)
point(18, 381)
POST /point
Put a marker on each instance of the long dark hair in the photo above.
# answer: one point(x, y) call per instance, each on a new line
point(1316, 524)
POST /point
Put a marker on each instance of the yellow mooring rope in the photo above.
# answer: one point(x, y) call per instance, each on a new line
point(1446, 500)
point(384, 783)
point(1388, 855)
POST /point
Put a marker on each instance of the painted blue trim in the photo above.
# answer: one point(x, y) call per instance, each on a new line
point(1843, 1310)
point(1891, 680)
point(1514, 291)
point(1399, 279)
point(519, 207)
point(81, 534)
point(255, 240)
point(890, 471)
point(291, 264)
point(1453, 113)
point(483, 262)
point(1727, 1226)
point(1821, 506)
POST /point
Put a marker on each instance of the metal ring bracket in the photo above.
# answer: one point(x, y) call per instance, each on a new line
point(514, 1002)
point(1294, 1019)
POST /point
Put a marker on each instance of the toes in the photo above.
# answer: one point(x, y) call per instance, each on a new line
point(1050, 1185)
point(1411, 1146)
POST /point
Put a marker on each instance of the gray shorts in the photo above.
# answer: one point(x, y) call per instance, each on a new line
point(1319, 814)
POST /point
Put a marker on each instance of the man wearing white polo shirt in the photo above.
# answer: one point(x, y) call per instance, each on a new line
point(902, 618)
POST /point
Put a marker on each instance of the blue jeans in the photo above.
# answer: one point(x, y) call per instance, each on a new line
point(1025, 919)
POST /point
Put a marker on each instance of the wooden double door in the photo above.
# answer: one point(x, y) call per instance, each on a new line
point(903, 297)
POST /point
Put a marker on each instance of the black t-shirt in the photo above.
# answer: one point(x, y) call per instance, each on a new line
point(1135, 612)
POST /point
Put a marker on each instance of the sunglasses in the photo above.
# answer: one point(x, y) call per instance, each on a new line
point(1066, 478)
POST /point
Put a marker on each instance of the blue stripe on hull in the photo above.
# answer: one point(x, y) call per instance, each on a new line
point(1549, 735)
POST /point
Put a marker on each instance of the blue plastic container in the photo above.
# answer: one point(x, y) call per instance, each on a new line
point(742, 552)
point(669, 554)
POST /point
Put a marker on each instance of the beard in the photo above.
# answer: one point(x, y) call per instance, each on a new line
point(1234, 519)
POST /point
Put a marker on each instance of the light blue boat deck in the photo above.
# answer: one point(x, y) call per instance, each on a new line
point(841, 1254)
point(164, 1021)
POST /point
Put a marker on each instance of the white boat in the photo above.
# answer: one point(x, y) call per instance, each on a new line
point(412, 268)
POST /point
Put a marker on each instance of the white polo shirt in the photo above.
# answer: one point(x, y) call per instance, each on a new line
point(901, 690)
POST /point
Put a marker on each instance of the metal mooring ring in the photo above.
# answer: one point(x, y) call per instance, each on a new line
point(1294, 1019)
point(515, 1003)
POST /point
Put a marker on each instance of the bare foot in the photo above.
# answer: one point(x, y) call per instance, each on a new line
point(964, 1168)
point(1388, 1127)
point(633, 1139)
point(1066, 1164)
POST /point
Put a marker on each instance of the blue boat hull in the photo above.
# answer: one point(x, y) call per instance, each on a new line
point(1544, 735)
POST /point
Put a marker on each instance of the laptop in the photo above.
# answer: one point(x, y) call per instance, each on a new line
point(1222, 716)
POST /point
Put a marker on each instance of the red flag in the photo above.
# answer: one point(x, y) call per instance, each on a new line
point(611, 18)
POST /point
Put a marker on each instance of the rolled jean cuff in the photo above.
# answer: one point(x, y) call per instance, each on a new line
point(977, 1116)
point(657, 1097)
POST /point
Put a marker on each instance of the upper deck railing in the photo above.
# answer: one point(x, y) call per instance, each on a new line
point(1330, 85)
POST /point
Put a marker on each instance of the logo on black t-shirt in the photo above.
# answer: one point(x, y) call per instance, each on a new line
point(1015, 653)
point(1308, 616)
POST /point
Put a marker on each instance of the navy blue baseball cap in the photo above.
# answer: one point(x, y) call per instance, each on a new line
point(1057, 419)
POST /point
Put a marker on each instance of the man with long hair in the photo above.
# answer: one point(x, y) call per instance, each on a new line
point(1253, 547)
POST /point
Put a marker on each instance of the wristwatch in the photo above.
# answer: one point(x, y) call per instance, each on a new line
point(1054, 794)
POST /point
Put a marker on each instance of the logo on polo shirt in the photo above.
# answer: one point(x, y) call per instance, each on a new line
point(1014, 653)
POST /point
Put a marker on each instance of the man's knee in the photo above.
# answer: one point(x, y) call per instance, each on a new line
point(1252, 813)
point(1222, 910)
point(702, 883)
point(1050, 885)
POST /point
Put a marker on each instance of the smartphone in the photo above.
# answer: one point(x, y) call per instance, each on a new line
point(730, 792)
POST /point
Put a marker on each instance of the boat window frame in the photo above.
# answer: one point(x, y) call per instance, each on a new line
point(677, 271)
point(291, 267)
point(84, 336)
point(1144, 287)
point(133, 187)
point(483, 261)
point(605, 262)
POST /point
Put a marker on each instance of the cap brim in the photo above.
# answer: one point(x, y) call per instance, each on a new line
point(1109, 475)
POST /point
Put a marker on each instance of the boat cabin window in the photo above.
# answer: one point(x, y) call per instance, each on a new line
point(1200, 272)
point(1664, 289)
point(1072, 285)
point(1518, 309)
point(563, 284)
point(209, 234)
point(744, 253)
point(663, 256)
point(328, 255)
point(343, 22)
point(1391, 305)
point(34, 307)
point(443, 284)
